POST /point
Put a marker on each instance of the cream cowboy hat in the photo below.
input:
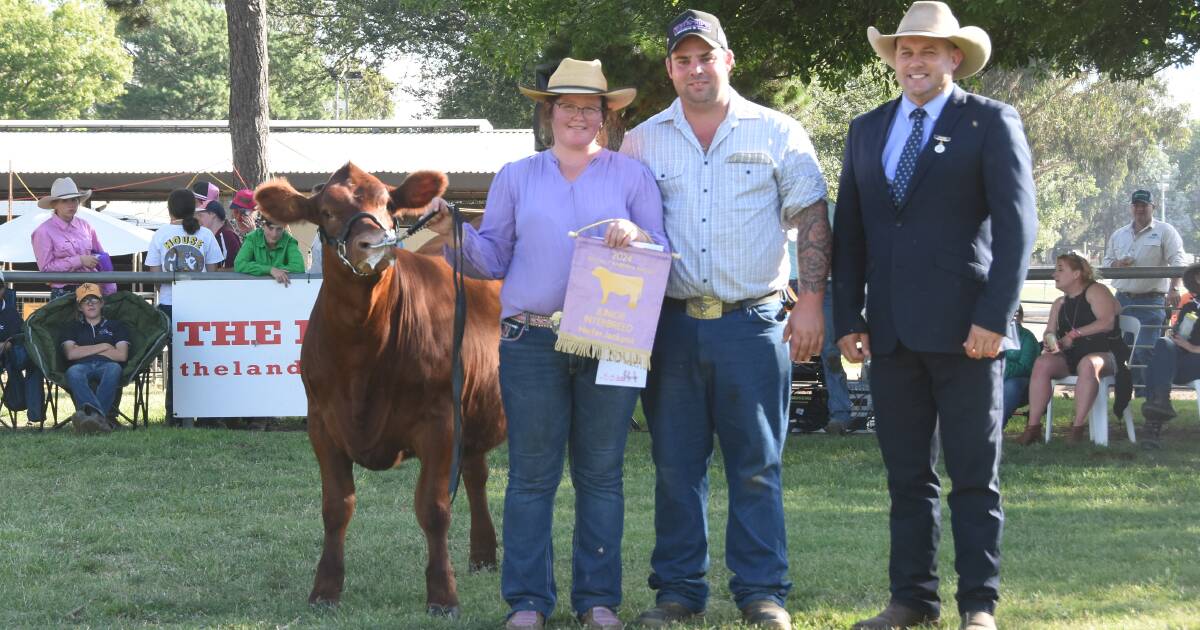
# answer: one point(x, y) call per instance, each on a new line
point(581, 77)
point(934, 19)
point(63, 188)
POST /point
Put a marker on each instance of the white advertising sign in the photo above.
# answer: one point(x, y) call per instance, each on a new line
point(236, 347)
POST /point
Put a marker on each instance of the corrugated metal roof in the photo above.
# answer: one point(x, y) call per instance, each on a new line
point(79, 153)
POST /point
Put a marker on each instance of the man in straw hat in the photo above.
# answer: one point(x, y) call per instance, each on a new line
point(936, 216)
point(735, 177)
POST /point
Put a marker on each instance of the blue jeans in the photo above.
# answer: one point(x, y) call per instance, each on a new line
point(555, 408)
point(1016, 393)
point(107, 377)
point(831, 359)
point(1169, 365)
point(1151, 313)
point(25, 383)
point(730, 377)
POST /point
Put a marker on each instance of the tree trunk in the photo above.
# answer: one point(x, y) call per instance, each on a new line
point(248, 110)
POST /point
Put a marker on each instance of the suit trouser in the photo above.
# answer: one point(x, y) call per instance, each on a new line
point(921, 397)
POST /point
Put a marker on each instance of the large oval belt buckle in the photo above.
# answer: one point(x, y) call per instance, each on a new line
point(704, 307)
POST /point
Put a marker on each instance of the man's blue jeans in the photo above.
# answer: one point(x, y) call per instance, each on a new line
point(107, 377)
point(831, 359)
point(24, 375)
point(555, 408)
point(1016, 393)
point(730, 377)
point(1150, 312)
point(1171, 365)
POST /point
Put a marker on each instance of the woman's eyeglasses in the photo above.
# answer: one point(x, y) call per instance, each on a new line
point(571, 110)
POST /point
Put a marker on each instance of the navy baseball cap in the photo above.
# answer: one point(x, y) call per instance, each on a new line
point(1142, 196)
point(706, 26)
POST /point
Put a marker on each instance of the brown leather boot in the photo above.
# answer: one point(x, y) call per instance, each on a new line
point(1032, 433)
point(896, 615)
point(1076, 435)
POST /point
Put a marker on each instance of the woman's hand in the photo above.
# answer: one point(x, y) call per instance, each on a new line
point(442, 223)
point(621, 233)
point(89, 262)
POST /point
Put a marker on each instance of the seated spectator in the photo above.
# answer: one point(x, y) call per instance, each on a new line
point(65, 242)
point(1018, 366)
point(96, 349)
point(242, 213)
point(212, 217)
point(1176, 360)
point(270, 250)
point(23, 391)
point(1082, 323)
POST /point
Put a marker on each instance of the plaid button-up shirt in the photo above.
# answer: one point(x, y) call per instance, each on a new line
point(726, 212)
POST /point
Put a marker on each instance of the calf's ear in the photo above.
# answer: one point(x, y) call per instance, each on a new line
point(417, 190)
point(282, 203)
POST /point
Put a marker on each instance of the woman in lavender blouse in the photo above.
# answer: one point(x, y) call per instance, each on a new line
point(552, 401)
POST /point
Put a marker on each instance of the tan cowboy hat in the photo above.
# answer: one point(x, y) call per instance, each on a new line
point(934, 19)
point(581, 77)
point(63, 188)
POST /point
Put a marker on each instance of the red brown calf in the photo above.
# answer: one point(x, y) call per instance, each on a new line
point(377, 369)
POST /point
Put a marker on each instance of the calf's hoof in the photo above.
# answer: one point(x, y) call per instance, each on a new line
point(438, 610)
point(479, 566)
point(324, 599)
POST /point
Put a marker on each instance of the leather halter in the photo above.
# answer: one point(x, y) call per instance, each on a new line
point(339, 243)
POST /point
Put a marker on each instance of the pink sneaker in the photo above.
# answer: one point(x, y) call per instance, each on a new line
point(525, 620)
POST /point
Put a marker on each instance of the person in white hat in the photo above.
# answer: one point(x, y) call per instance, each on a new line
point(65, 242)
point(532, 205)
point(935, 221)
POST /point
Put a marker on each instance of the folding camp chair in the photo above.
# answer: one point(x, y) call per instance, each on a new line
point(148, 332)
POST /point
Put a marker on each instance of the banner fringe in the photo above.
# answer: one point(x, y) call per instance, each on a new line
point(580, 346)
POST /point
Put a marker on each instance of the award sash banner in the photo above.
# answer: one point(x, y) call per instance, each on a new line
point(613, 300)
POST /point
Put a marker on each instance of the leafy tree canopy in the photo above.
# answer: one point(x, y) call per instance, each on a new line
point(777, 42)
point(181, 66)
point(58, 61)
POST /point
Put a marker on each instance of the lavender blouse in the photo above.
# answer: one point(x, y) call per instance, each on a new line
point(531, 207)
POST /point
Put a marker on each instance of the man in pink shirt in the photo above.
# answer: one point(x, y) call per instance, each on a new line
point(65, 242)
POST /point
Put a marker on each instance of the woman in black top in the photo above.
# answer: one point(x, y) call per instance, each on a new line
point(1082, 322)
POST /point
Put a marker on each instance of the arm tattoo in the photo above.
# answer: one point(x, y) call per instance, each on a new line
point(814, 247)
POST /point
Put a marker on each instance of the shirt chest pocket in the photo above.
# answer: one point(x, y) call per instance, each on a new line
point(669, 177)
point(750, 176)
point(64, 249)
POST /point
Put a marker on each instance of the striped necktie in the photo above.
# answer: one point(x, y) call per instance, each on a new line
point(908, 157)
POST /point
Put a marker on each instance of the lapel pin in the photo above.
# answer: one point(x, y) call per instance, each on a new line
point(941, 143)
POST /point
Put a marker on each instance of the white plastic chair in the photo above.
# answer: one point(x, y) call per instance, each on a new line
point(1098, 417)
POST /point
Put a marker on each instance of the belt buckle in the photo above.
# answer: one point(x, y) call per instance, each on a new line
point(704, 307)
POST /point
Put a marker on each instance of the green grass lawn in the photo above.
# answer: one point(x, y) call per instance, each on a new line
point(216, 528)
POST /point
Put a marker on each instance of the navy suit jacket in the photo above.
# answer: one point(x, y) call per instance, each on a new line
point(956, 250)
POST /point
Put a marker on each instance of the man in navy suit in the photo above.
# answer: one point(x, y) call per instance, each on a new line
point(936, 219)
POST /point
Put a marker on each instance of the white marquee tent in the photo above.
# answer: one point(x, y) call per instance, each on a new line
point(116, 236)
